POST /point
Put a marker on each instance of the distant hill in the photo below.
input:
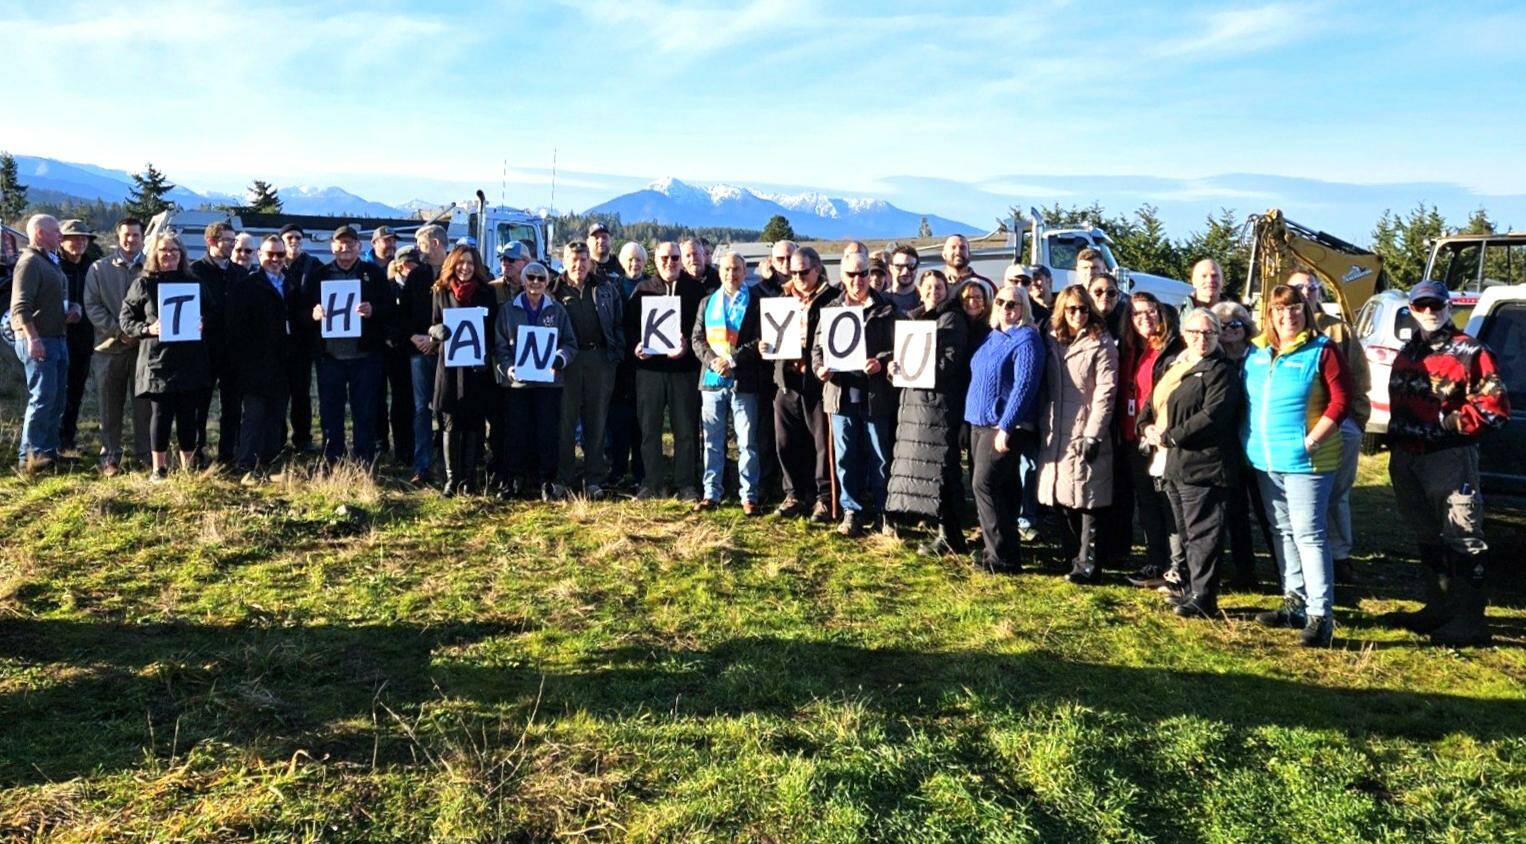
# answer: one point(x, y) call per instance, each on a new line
point(675, 202)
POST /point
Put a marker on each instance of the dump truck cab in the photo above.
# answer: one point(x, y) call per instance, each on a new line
point(1468, 265)
point(1498, 320)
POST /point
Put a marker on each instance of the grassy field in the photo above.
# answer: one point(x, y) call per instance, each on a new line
point(342, 660)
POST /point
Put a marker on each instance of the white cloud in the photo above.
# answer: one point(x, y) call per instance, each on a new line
point(694, 29)
point(1239, 31)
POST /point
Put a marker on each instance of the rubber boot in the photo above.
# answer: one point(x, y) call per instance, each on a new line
point(1086, 568)
point(453, 475)
point(1466, 624)
point(1438, 587)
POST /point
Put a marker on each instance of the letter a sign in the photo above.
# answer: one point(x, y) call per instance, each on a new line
point(179, 313)
point(340, 298)
point(661, 333)
point(535, 349)
point(465, 345)
point(916, 341)
point(843, 346)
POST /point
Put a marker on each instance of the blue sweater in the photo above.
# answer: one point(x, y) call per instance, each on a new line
point(1005, 375)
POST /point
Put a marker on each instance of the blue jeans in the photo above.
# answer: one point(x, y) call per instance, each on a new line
point(715, 406)
point(356, 382)
point(423, 368)
point(1338, 519)
point(863, 460)
point(46, 381)
point(1297, 505)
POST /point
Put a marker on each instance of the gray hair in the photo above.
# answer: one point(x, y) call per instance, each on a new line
point(1208, 315)
point(1228, 310)
point(727, 255)
point(631, 247)
point(35, 223)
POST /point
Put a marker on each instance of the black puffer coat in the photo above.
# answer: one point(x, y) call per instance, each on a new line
point(925, 469)
point(177, 367)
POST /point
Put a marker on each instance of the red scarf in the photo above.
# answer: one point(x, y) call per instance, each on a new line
point(463, 292)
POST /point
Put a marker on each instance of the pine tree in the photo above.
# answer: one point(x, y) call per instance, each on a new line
point(924, 230)
point(1144, 245)
point(263, 198)
point(1407, 248)
point(12, 192)
point(148, 192)
point(1478, 222)
point(778, 228)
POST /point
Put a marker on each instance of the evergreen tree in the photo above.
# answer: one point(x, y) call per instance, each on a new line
point(1144, 245)
point(1478, 222)
point(1408, 263)
point(148, 192)
point(778, 228)
point(1221, 240)
point(924, 230)
point(263, 198)
point(12, 191)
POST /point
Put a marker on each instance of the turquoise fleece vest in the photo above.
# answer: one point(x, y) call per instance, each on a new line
point(1286, 396)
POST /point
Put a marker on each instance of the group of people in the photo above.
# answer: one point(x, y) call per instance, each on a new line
point(1195, 419)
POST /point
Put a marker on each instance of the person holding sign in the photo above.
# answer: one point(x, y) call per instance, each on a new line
point(534, 341)
point(1001, 407)
point(857, 325)
point(665, 391)
point(801, 430)
point(597, 309)
point(1076, 455)
point(171, 375)
point(725, 338)
point(924, 473)
point(463, 395)
point(354, 312)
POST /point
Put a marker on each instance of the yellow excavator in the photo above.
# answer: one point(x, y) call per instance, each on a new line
point(1349, 274)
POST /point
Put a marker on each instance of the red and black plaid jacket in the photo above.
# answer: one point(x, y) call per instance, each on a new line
point(1444, 391)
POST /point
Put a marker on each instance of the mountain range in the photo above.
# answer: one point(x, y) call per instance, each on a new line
point(815, 214)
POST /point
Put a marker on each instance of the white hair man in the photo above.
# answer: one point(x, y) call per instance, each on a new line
point(38, 294)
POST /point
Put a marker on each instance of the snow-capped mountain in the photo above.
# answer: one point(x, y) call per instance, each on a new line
point(673, 201)
point(331, 201)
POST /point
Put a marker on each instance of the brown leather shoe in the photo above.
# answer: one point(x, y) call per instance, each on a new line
point(750, 509)
point(705, 504)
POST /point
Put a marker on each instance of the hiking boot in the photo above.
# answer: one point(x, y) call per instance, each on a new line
point(852, 525)
point(1290, 614)
point(791, 509)
point(751, 509)
point(1198, 606)
point(1318, 630)
point(594, 492)
point(688, 493)
point(821, 513)
point(704, 504)
point(648, 493)
point(110, 469)
point(159, 475)
point(1147, 577)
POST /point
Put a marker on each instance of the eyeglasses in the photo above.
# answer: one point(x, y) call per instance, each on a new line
point(1149, 314)
point(1199, 332)
point(852, 274)
point(1109, 293)
point(1428, 306)
point(1076, 309)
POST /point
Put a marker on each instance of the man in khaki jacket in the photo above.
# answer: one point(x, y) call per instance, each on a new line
point(116, 354)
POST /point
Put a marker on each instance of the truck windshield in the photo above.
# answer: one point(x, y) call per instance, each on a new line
point(522, 232)
point(1063, 249)
point(1456, 265)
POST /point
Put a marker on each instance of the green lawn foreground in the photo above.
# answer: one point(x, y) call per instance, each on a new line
point(198, 662)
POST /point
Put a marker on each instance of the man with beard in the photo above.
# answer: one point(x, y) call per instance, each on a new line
point(605, 262)
point(956, 264)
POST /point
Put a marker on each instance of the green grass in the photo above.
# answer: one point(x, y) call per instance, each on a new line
point(200, 662)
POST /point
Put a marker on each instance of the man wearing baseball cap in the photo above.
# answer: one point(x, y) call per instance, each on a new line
point(74, 254)
point(350, 369)
point(1444, 392)
point(605, 262)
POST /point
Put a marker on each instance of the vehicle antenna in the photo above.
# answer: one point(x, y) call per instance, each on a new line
point(553, 180)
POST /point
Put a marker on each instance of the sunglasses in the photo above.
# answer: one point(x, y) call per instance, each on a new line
point(802, 272)
point(1428, 306)
point(852, 274)
point(1007, 304)
point(1235, 323)
point(1110, 293)
point(667, 257)
point(535, 278)
point(274, 254)
point(243, 251)
point(904, 266)
point(1076, 309)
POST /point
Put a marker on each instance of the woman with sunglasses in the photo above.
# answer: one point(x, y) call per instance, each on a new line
point(1150, 345)
point(1075, 422)
point(1001, 408)
point(463, 395)
point(1296, 387)
point(1192, 417)
point(924, 473)
point(1237, 329)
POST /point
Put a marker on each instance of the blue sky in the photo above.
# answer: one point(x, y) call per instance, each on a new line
point(393, 100)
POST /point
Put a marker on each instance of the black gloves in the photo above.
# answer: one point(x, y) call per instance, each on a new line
point(1091, 449)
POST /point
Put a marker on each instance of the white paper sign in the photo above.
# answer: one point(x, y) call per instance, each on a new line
point(466, 344)
point(661, 333)
point(843, 346)
point(916, 353)
point(340, 298)
point(534, 353)
point(783, 327)
point(179, 312)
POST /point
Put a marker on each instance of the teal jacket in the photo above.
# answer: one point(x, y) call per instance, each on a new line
point(1287, 392)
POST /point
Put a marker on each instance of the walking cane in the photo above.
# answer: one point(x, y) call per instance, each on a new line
point(832, 460)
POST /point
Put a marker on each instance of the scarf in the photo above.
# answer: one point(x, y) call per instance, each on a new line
point(532, 313)
point(723, 321)
point(463, 291)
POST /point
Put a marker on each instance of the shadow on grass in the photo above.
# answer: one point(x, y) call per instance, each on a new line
point(272, 690)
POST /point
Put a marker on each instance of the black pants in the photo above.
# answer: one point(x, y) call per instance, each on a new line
point(299, 383)
point(1245, 503)
point(462, 434)
point(534, 414)
point(229, 416)
point(81, 348)
point(1115, 528)
point(1199, 512)
point(803, 437)
point(394, 410)
point(768, 452)
point(997, 495)
point(1153, 509)
point(262, 430)
point(179, 409)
